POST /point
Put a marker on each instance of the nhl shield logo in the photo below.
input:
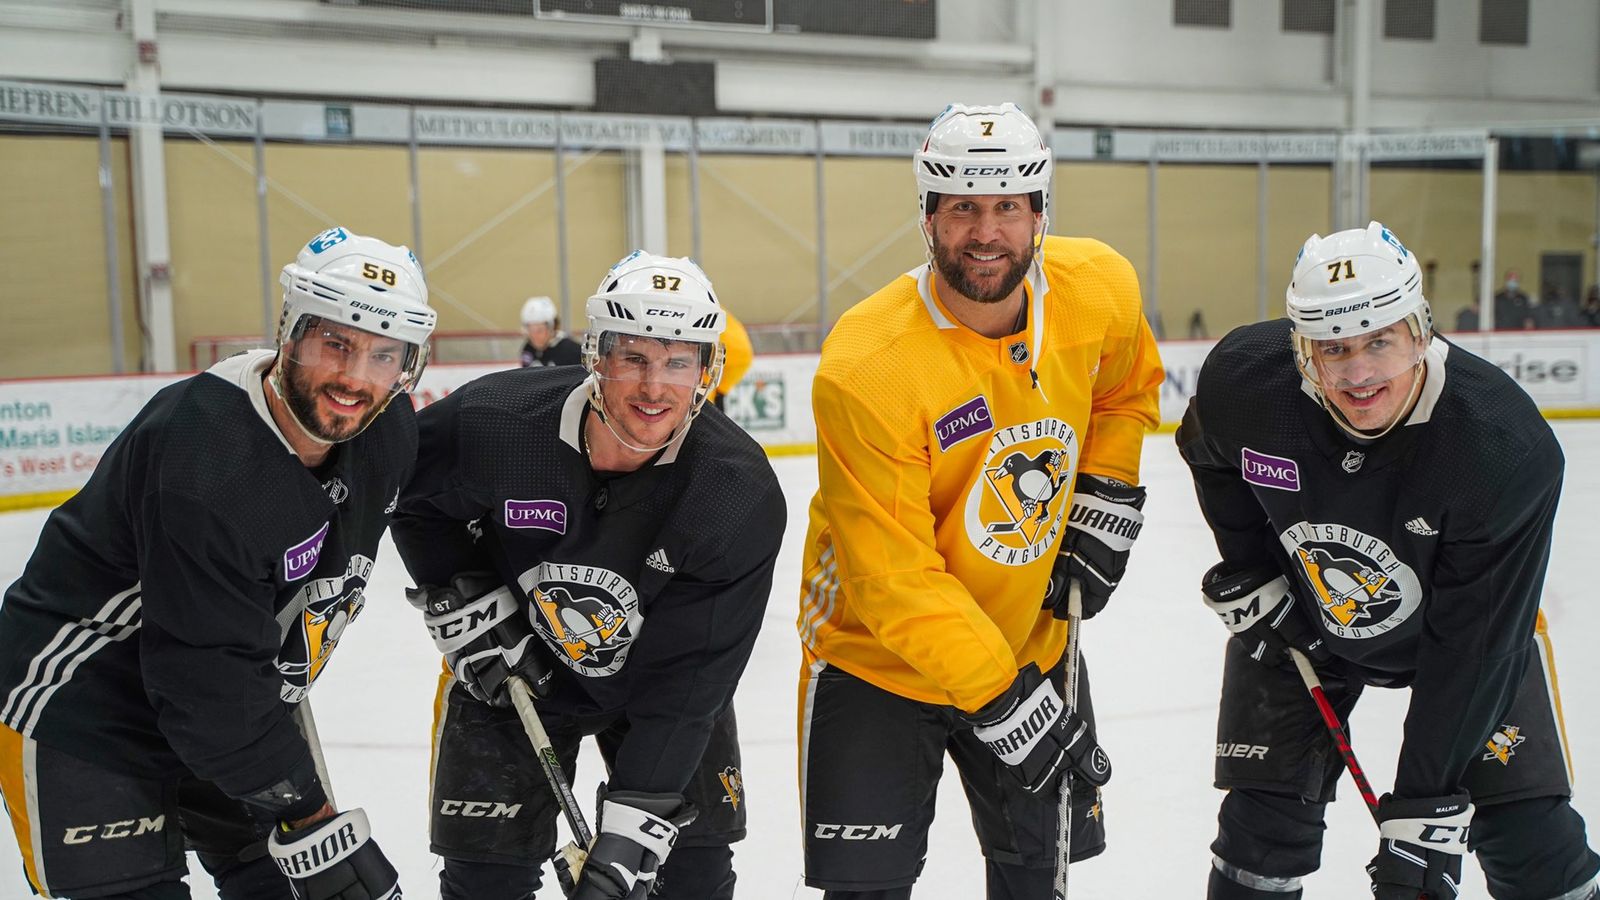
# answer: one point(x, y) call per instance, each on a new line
point(588, 615)
point(1362, 589)
point(1019, 352)
point(1015, 508)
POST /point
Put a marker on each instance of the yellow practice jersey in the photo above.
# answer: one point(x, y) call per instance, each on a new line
point(738, 354)
point(946, 463)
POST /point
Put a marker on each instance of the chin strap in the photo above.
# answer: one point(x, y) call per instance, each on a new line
point(597, 403)
point(1419, 372)
point(275, 378)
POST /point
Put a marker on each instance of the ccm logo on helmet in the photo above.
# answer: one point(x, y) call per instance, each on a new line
point(969, 171)
point(375, 309)
point(666, 313)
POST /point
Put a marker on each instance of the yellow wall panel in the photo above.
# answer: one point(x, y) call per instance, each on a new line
point(759, 230)
point(1206, 246)
point(215, 239)
point(597, 223)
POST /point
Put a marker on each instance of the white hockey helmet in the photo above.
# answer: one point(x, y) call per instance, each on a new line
point(1346, 285)
point(974, 150)
point(539, 311)
point(365, 284)
point(662, 298)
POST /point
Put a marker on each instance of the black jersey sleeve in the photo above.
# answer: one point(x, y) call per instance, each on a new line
point(209, 643)
point(694, 646)
point(566, 352)
point(430, 523)
point(1238, 521)
point(1479, 624)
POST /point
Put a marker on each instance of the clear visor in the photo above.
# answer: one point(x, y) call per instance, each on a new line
point(627, 357)
point(382, 363)
point(1363, 360)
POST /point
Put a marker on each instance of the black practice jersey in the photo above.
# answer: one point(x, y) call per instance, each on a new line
point(178, 605)
point(647, 588)
point(563, 351)
point(1420, 555)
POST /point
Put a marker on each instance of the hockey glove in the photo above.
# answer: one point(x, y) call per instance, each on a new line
point(484, 634)
point(1101, 526)
point(1258, 607)
point(334, 859)
point(636, 832)
point(1420, 846)
point(1038, 736)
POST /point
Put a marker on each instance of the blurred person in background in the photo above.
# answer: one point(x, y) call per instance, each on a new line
point(546, 344)
point(1557, 310)
point(1591, 307)
point(739, 353)
point(1513, 311)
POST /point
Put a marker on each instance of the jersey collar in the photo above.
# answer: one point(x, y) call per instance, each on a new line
point(246, 371)
point(572, 424)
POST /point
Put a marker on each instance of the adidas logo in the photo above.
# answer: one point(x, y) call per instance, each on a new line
point(658, 561)
point(1420, 526)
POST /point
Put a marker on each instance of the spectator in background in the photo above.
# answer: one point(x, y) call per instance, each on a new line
point(738, 354)
point(1512, 311)
point(1557, 310)
point(1591, 307)
point(547, 344)
point(1197, 325)
point(1467, 318)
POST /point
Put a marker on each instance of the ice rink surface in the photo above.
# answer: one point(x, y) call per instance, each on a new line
point(1156, 655)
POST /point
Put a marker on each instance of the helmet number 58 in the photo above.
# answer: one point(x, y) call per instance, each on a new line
point(373, 272)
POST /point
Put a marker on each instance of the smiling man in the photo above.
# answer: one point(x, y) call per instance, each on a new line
point(156, 655)
point(1383, 501)
point(568, 526)
point(979, 425)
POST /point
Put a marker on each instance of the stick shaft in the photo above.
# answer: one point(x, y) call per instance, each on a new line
point(1341, 740)
point(1064, 804)
point(522, 699)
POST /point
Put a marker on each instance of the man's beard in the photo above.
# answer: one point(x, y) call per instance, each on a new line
point(301, 398)
point(949, 266)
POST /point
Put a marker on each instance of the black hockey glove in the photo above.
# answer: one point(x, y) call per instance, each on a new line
point(334, 859)
point(1101, 526)
point(1420, 846)
point(1258, 607)
point(484, 633)
point(635, 833)
point(1038, 736)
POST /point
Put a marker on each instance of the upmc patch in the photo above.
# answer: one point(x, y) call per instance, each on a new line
point(299, 560)
point(549, 515)
point(968, 420)
point(1269, 471)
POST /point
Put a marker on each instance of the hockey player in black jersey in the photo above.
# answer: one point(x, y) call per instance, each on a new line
point(569, 526)
point(1383, 501)
point(156, 653)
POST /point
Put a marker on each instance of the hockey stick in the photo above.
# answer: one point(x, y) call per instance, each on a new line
point(569, 862)
point(1336, 730)
point(1064, 805)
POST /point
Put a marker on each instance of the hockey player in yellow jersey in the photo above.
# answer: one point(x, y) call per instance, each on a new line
point(979, 425)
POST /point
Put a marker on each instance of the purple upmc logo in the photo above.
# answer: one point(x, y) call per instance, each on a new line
point(1270, 471)
point(550, 515)
point(970, 419)
point(299, 560)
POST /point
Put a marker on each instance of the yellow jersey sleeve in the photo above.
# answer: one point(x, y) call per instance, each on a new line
point(738, 354)
point(1127, 390)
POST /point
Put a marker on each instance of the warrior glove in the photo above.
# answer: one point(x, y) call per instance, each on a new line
point(1258, 607)
point(334, 859)
point(484, 633)
point(1101, 527)
point(1038, 736)
point(636, 832)
point(1420, 846)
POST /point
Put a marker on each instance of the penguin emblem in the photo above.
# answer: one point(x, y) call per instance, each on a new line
point(1034, 482)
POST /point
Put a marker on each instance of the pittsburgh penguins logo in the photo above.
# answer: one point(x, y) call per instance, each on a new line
point(588, 615)
point(1503, 744)
point(1362, 589)
point(1014, 509)
point(732, 786)
point(314, 621)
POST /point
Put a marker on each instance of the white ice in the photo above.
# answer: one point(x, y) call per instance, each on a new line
point(1155, 653)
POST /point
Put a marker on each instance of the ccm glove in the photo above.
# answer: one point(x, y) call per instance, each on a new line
point(1420, 848)
point(1258, 607)
point(484, 633)
point(334, 859)
point(636, 832)
point(1038, 736)
point(1101, 526)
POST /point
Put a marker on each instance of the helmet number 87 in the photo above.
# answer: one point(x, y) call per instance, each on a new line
point(1341, 270)
point(665, 282)
point(373, 272)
